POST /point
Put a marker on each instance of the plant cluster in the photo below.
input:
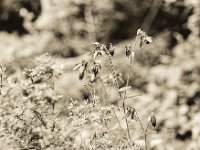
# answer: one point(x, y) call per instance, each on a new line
point(31, 119)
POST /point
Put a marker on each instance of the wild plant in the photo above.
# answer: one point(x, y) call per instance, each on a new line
point(93, 68)
point(29, 108)
point(31, 118)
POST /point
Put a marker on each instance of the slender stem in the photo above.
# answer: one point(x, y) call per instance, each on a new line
point(105, 102)
point(39, 116)
point(114, 73)
point(143, 130)
point(118, 122)
point(60, 110)
point(129, 72)
point(121, 97)
point(131, 61)
point(129, 136)
point(147, 127)
point(1, 82)
point(141, 125)
point(1, 78)
point(145, 139)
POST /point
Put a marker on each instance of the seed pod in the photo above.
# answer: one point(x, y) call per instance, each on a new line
point(153, 120)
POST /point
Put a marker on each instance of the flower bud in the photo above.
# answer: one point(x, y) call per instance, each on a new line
point(152, 120)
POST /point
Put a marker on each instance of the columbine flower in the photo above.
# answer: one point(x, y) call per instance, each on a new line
point(111, 49)
point(129, 51)
point(100, 49)
point(82, 67)
point(131, 113)
point(144, 38)
point(95, 69)
point(128, 113)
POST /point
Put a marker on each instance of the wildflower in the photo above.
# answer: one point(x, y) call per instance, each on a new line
point(128, 113)
point(133, 114)
point(129, 51)
point(111, 49)
point(144, 38)
point(82, 68)
point(95, 69)
point(99, 50)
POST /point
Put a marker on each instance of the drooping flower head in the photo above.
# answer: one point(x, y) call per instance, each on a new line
point(143, 38)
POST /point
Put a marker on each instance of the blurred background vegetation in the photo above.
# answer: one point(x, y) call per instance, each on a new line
point(167, 73)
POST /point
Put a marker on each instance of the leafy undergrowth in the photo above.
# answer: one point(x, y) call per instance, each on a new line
point(113, 113)
point(32, 119)
point(44, 106)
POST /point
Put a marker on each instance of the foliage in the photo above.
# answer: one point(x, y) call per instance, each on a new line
point(31, 118)
point(35, 115)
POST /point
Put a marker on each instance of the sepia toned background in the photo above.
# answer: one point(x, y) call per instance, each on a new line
point(166, 73)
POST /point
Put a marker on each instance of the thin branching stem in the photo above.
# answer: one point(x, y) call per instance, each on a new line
point(106, 94)
point(119, 123)
point(143, 130)
point(121, 97)
point(1, 78)
point(131, 61)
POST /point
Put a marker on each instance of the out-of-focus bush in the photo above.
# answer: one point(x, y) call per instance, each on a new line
point(10, 18)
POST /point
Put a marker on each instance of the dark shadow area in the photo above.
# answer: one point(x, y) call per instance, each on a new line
point(10, 19)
